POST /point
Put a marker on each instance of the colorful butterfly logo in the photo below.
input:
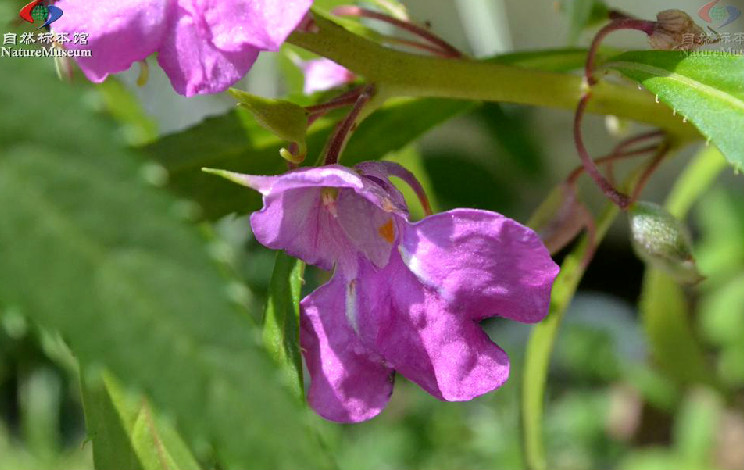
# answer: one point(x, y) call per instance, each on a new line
point(39, 11)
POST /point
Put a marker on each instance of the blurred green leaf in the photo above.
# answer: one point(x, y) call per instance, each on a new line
point(673, 344)
point(512, 130)
point(138, 127)
point(720, 251)
point(654, 458)
point(90, 250)
point(459, 181)
point(40, 392)
point(722, 313)
point(707, 89)
point(696, 426)
point(281, 331)
point(126, 434)
point(582, 14)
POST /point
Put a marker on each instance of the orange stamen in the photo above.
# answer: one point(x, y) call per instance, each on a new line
point(387, 231)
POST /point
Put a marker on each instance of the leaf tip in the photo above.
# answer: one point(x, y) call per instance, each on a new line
point(228, 175)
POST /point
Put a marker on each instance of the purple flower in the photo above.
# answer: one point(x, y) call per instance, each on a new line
point(407, 297)
point(324, 74)
point(203, 45)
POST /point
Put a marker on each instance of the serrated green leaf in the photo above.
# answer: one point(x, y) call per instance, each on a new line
point(706, 88)
point(237, 143)
point(281, 331)
point(90, 250)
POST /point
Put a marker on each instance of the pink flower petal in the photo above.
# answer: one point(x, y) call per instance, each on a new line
point(195, 65)
point(325, 216)
point(120, 32)
point(263, 24)
point(482, 262)
point(348, 382)
point(298, 221)
point(324, 74)
point(425, 339)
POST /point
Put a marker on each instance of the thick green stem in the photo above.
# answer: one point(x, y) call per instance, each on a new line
point(412, 75)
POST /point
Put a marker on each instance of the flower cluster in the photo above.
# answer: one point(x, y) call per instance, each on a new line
point(405, 297)
point(203, 46)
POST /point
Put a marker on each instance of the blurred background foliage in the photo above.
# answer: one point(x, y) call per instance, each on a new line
point(610, 404)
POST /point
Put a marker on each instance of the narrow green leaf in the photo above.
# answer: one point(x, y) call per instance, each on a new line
point(125, 432)
point(107, 431)
point(90, 250)
point(542, 339)
point(281, 331)
point(706, 88)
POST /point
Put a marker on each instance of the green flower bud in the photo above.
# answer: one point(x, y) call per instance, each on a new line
point(662, 241)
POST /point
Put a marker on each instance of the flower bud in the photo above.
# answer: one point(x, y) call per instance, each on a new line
point(675, 30)
point(662, 241)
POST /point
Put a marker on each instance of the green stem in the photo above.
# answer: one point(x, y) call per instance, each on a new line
point(540, 344)
point(409, 75)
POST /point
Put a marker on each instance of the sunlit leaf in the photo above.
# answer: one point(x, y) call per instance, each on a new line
point(705, 88)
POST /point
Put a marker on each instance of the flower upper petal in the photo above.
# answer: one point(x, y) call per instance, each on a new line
point(298, 221)
point(120, 33)
point(325, 216)
point(482, 262)
point(424, 338)
point(348, 382)
point(370, 229)
point(193, 63)
point(263, 24)
point(324, 74)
